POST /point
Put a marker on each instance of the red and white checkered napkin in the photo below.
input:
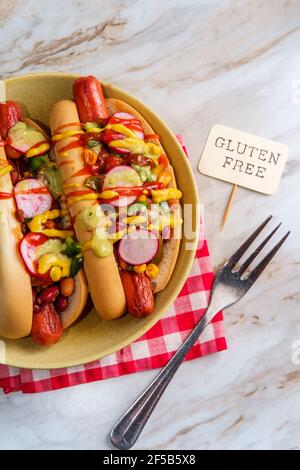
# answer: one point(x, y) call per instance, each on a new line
point(152, 350)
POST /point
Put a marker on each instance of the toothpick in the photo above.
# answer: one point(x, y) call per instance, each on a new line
point(229, 204)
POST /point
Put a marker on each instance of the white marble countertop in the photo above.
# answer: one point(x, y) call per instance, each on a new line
point(196, 63)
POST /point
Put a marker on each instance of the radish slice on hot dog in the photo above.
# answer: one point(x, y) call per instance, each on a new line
point(129, 121)
point(22, 137)
point(138, 130)
point(32, 197)
point(28, 248)
point(138, 247)
point(122, 176)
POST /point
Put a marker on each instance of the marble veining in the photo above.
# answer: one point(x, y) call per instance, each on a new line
point(196, 63)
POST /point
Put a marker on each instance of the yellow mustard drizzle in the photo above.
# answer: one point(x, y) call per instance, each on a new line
point(71, 185)
point(135, 219)
point(85, 197)
point(6, 169)
point(115, 237)
point(108, 194)
point(121, 129)
point(36, 224)
point(66, 135)
point(136, 145)
point(131, 142)
point(38, 150)
point(52, 232)
point(51, 260)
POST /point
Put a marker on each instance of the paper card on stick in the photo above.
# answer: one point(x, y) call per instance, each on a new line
point(243, 159)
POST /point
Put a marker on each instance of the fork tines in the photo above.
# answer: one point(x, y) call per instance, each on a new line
point(265, 261)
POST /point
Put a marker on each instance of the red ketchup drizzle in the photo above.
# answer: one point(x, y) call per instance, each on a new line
point(85, 171)
point(38, 144)
point(70, 124)
point(5, 195)
point(133, 124)
point(81, 192)
point(66, 162)
point(72, 145)
point(33, 191)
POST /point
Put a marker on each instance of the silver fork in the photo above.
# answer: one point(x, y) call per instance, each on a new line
point(229, 286)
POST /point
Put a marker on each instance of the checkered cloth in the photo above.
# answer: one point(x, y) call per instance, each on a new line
point(152, 350)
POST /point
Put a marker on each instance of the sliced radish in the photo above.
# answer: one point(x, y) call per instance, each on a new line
point(119, 150)
point(122, 176)
point(122, 115)
point(28, 247)
point(139, 134)
point(32, 197)
point(22, 137)
point(138, 247)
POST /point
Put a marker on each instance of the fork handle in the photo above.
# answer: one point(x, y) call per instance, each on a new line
point(129, 427)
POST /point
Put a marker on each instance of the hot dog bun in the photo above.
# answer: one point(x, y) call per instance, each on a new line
point(170, 247)
point(15, 287)
point(102, 273)
point(77, 301)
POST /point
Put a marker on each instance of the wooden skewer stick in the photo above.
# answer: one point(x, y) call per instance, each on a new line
point(229, 204)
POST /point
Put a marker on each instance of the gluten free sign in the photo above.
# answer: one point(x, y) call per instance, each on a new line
point(243, 159)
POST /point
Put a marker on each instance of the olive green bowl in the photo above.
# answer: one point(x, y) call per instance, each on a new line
point(92, 338)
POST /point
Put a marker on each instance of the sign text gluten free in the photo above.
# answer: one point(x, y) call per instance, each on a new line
point(243, 159)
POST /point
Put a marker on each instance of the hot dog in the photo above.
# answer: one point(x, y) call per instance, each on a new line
point(102, 272)
point(121, 173)
point(42, 289)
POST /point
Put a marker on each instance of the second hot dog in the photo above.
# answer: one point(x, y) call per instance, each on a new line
point(102, 272)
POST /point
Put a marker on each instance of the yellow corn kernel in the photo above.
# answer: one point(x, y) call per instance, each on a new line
point(38, 150)
point(145, 192)
point(152, 270)
point(158, 170)
point(6, 169)
point(142, 198)
point(140, 268)
point(165, 178)
point(160, 195)
point(55, 273)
